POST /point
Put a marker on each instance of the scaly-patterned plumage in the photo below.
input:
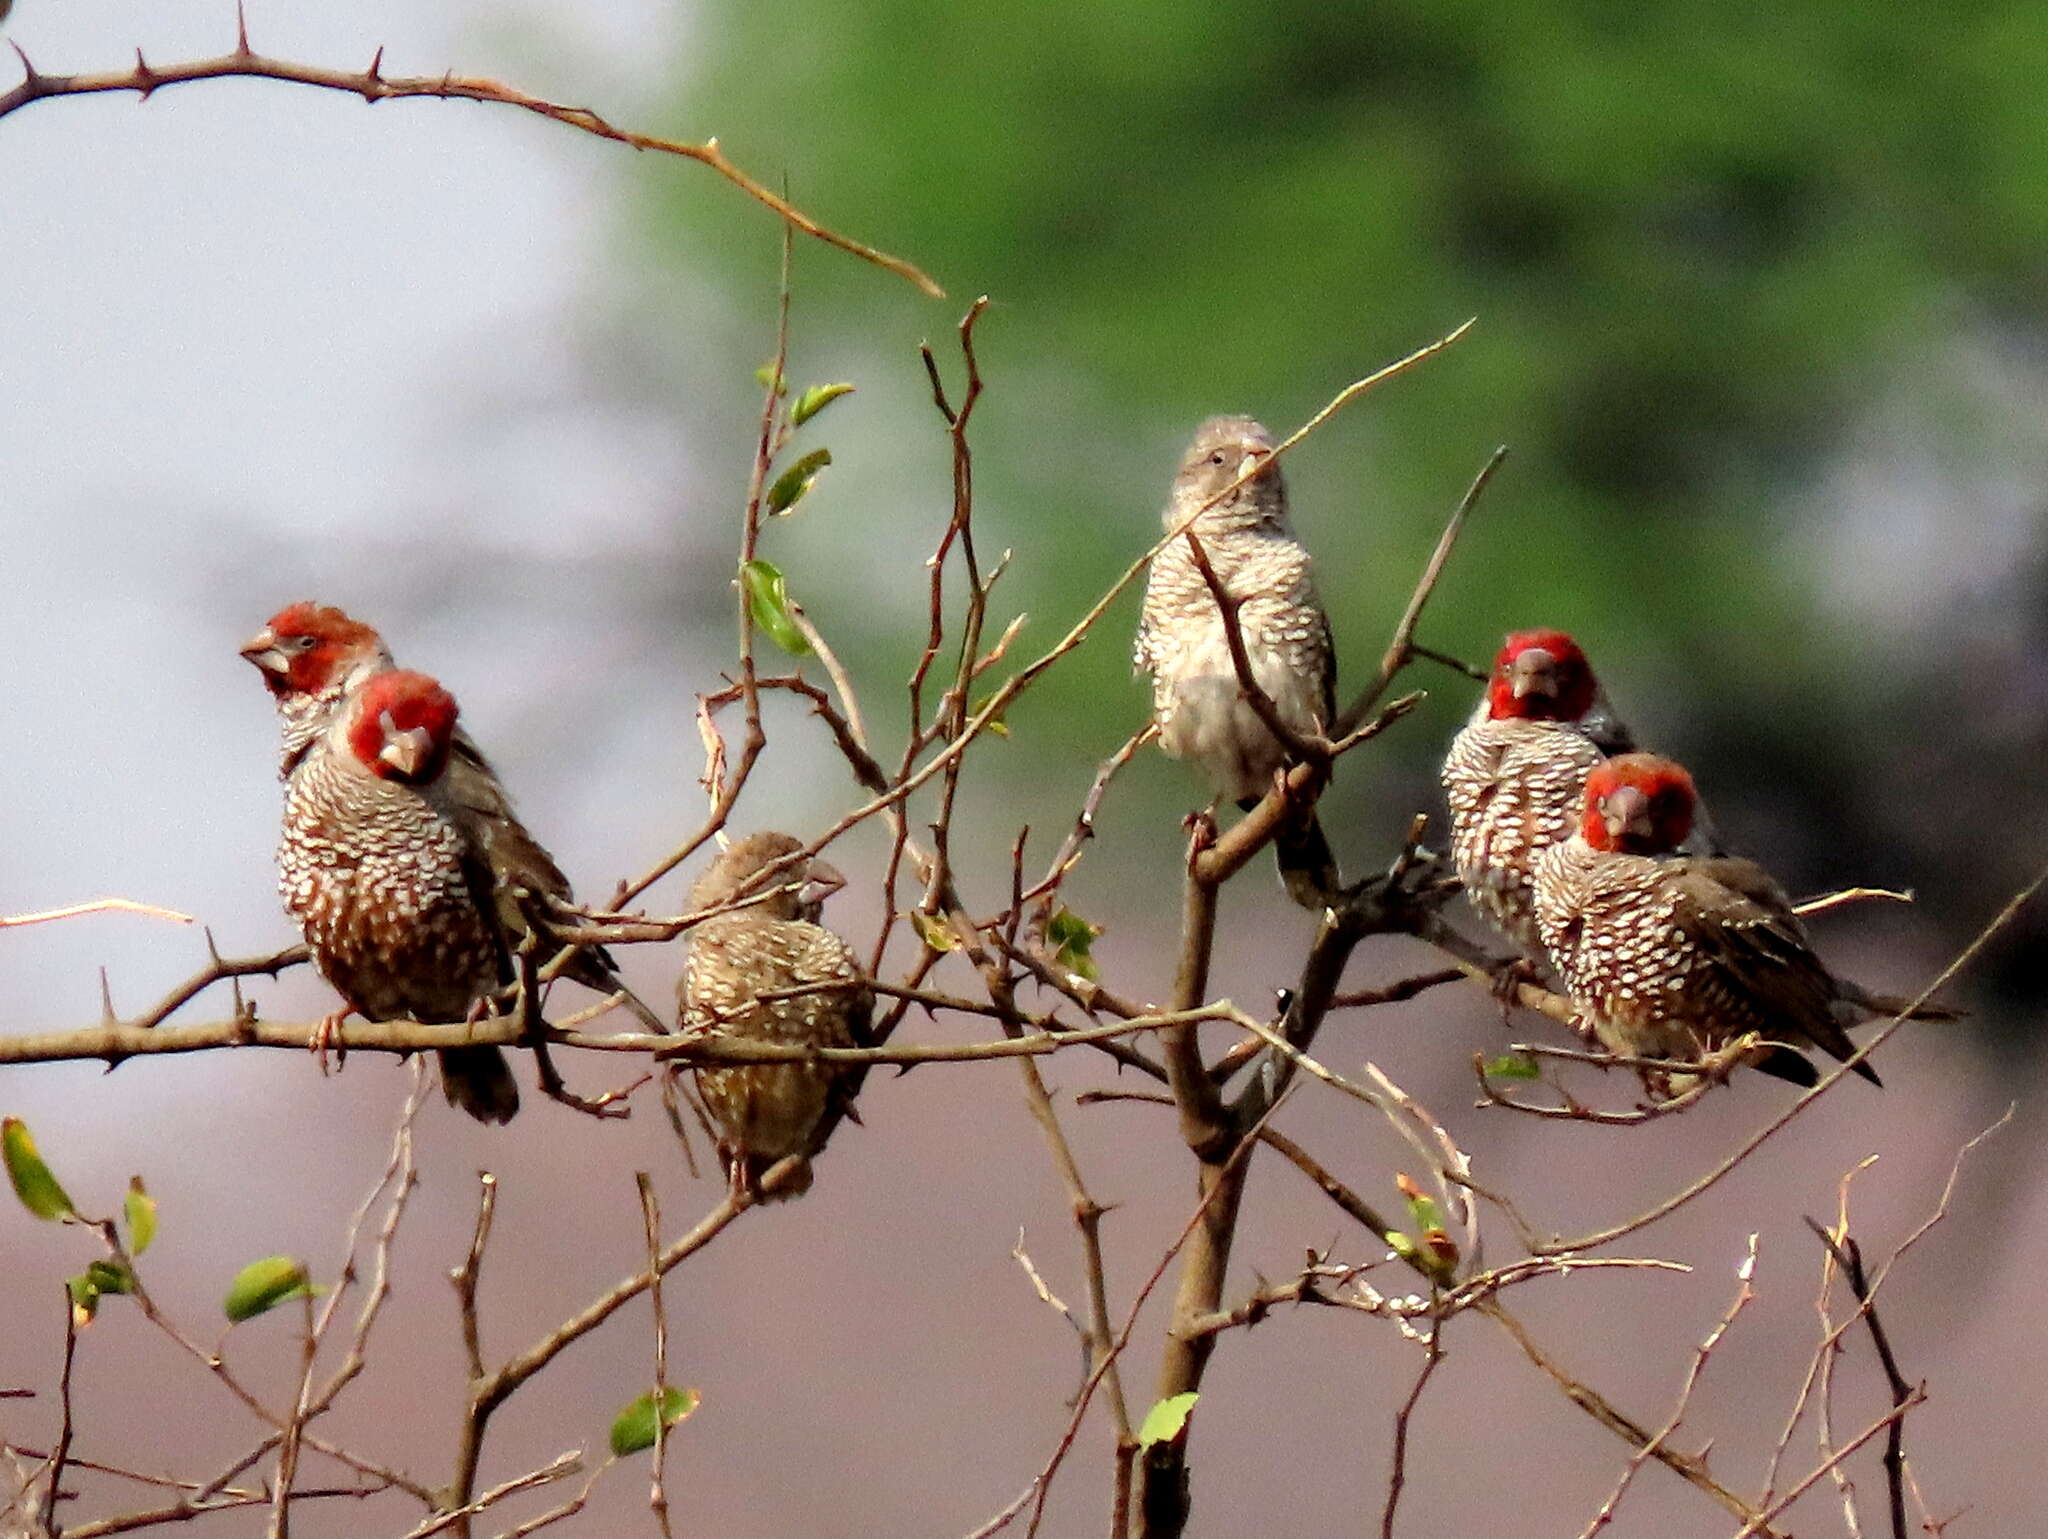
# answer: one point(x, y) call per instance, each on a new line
point(1673, 956)
point(316, 660)
point(380, 869)
point(1201, 710)
point(1515, 776)
point(767, 1113)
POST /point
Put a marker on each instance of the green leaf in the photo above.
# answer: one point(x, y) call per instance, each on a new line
point(1163, 1423)
point(1072, 937)
point(770, 380)
point(110, 1277)
point(934, 931)
point(33, 1183)
point(263, 1285)
point(996, 724)
point(634, 1428)
point(815, 400)
point(1421, 1206)
point(768, 602)
point(1512, 1066)
point(85, 1298)
point(793, 483)
point(94, 1284)
point(141, 1210)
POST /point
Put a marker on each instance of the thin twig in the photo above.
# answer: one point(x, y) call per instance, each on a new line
point(561, 1467)
point(1759, 1523)
point(1745, 1273)
point(650, 1216)
point(62, 1452)
point(1433, 1353)
point(1402, 649)
point(1828, 900)
point(1848, 1255)
point(490, 1390)
point(216, 971)
point(96, 906)
point(373, 85)
point(1688, 1467)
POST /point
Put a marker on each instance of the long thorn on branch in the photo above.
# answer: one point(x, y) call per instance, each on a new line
point(219, 970)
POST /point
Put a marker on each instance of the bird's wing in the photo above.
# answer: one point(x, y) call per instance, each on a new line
point(1738, 918)
point(1605, 730)
point(492, 827)
point(1327, 645)
point(508, 862)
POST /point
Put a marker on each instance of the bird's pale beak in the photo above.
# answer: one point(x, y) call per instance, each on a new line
point(1534, 673)
point(407, 751)
point(1626, 812)
point(262, 650)
point(819, 885)
point(1256, 462)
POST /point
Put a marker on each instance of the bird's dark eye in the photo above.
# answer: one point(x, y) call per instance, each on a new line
point(1216, 456)
point(300, 643)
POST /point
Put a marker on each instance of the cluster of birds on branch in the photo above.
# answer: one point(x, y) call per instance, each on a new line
point(1592, 858)
point(420, 893)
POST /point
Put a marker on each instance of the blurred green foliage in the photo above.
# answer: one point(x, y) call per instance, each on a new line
point(1699, 239)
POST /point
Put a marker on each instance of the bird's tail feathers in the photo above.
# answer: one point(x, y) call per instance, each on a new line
point(479, 1080)
point(1895, 1005)
point(1308, 869)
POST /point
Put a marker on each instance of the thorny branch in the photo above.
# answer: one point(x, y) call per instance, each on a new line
point(373, 85)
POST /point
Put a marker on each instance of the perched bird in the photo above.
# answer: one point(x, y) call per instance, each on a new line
point(1674, 956)
point(311, 656)
point(377, 865)
point(1202, 712)
point(770, 1112)
point(1515, 776)
point(318, 664)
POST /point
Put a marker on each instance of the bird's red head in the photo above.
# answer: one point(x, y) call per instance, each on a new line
point(401, 726)
point(1638, 804)
point(1541, 676)
point(311, 649)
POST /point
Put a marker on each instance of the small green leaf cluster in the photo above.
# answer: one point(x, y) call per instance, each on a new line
point(258, 1287)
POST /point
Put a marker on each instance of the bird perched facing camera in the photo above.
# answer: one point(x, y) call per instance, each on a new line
point(1515, 776)
point(1672, 956)
point(1197, 701)
point(771, 944)
point(378, 870)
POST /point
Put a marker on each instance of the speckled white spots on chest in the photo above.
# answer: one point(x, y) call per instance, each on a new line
point(1183, 644)
point(1514, 789)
